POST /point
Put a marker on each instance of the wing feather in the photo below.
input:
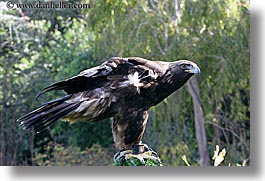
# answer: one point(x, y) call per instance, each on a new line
point(114, 69)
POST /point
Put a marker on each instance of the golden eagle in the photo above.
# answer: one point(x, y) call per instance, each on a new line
point(121, 88)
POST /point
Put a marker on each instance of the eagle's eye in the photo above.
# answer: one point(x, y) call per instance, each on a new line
point(185, 66)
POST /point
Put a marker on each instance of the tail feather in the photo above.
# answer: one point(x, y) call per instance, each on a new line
point(49, 120)
point(47, 114)
point(45, 106)
point(42, 117)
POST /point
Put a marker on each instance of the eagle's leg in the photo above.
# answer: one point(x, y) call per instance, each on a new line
point(128, 129)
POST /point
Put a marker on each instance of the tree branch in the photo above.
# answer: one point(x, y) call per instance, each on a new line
point(199, 122)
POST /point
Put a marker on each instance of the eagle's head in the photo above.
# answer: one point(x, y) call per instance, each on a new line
point(188, 67)
point(181, 71)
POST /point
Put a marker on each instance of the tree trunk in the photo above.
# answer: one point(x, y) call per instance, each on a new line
point(3, 155)
point(199, 122)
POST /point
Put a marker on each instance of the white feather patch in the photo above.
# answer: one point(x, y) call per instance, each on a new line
point(134, 80)
point(152, 74)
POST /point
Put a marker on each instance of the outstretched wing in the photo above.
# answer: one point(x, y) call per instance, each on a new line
point(116, 68)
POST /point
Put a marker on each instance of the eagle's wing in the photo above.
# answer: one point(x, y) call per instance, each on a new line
point(116, 68)
point(92, 92)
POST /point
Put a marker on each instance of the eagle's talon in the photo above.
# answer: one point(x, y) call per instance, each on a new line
point(121, 154)
point(147, 148)
point(154, 153)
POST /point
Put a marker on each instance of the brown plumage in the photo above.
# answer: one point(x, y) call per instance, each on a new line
point(121, 88)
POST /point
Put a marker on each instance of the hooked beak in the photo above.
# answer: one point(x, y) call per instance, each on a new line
point(195, 70)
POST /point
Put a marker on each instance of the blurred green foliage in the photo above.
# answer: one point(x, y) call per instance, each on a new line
point(39, 47)
point(58, 155)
